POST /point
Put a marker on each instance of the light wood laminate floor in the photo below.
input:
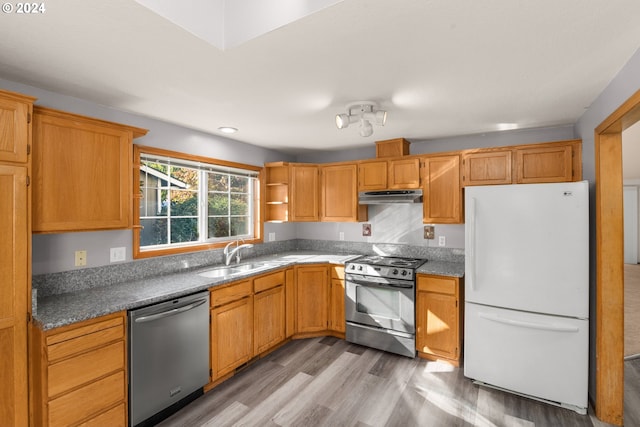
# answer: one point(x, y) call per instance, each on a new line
point(329, 382)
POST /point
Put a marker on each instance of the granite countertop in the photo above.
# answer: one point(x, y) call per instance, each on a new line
point(63, 309)
point(442, 268)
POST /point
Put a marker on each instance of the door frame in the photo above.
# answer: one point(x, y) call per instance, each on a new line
point(609, 304)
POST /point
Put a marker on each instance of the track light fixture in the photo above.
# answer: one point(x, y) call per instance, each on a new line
point(364, 113)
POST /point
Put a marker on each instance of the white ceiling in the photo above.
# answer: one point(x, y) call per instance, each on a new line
point(439, 67)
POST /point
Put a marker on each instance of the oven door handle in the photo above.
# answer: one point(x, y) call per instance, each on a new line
point(380, 285)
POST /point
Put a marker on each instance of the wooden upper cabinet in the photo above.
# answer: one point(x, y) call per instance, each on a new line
point(372, 175)
point(404, 173)
point(82, 177)
point(303, 204)
point(277, 191)
point(559, 161)
point(339, 194)
point(15, 127)
point(487, 167)
point(544, 164)
point(392, 148)
point(442, 199)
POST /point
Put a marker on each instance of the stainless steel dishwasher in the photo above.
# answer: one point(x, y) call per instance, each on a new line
point(168, 356)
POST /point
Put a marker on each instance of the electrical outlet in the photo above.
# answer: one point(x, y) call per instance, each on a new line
point(342, 235)
point(118, 254)
point(81, 258)
point(429, 232)
point(272, 237)
point(442, 241)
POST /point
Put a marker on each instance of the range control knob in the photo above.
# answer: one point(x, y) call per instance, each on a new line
point(352, 266)
point(360, 267)
point(395, 271)
point(404, 272)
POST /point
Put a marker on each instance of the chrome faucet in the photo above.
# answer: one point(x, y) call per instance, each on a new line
point(228, 254)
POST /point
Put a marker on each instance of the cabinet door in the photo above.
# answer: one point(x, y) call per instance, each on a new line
point(14, 127)
point(339, 194)
point(290, 302)
point(81, 175)
point(487, 168)
point(303, 205)
point(336, 306)
point(231, 336)
point(544, 164)
point(442, 199)
point(14, 289)
point(438, 317)
point(312, 295)
point(336, 299)
point(268, 318)
point(372, 176)
point(404, 173)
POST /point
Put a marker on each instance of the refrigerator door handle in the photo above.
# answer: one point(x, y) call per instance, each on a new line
point(471, 242)
point(531, 325)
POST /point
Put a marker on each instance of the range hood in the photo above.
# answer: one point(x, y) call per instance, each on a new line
point(389, 196)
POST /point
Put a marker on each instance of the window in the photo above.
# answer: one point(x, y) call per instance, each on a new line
point(190, 203)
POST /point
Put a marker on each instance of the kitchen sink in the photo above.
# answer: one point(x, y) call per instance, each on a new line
point(234, 270)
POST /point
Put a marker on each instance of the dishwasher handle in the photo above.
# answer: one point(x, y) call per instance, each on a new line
point(171, 312)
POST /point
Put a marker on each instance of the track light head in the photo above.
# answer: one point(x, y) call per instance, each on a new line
point(365, 128)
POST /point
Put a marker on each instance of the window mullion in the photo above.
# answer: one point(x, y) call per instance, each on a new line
point(203, 206)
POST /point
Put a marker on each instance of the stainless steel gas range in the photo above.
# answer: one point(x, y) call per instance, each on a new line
point(380, 298)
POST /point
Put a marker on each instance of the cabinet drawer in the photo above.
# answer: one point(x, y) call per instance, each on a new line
point(267, 282)
point(231, 293)
point(60, 349)
point(114, 417)
point(78, 370)
point(337, 272)
point(86, 401)
point(443, 285)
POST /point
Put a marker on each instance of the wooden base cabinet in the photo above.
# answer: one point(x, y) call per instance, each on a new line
point(80, 373)
point(312, 298)
point(439, 318)
point(231, 327)
point(268, 312)
point(336, 300)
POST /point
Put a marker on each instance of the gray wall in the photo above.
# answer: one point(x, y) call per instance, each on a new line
point(403, 223)
point(397, 224)
point(55, 252)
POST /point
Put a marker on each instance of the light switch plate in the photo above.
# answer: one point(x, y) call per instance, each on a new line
point(118, 254)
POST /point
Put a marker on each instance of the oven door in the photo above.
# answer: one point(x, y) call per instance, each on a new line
point(379, 302)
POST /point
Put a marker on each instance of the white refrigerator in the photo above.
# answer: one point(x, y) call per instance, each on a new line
point(526, 326)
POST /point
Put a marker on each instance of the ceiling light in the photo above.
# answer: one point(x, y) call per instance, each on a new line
point(227, 129)
point(363, 112)
point(365, 128)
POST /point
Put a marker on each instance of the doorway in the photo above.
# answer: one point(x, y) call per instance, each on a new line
point(609, 398)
